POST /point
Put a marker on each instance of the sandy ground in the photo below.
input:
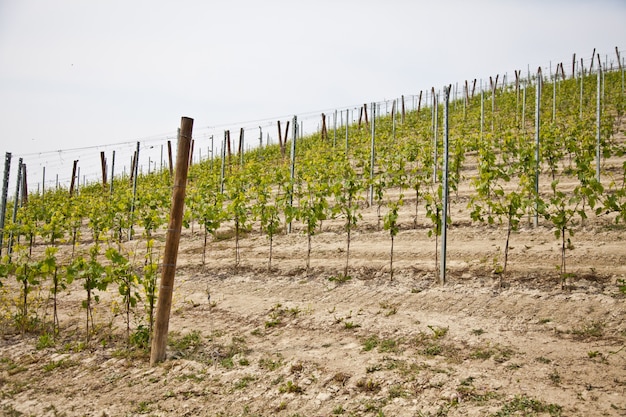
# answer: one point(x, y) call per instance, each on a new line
point(285, 342)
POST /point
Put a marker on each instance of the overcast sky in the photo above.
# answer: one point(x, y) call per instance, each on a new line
point(81, 73)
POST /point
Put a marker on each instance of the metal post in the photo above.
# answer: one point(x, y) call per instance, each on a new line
point(5, 190)
point(347, 127)
point(598, 119)
point(582, 82)
point(16, 204)
point(524, 106)
point(113, 170)
point(132, 205)
point(554, 96)
point(537, 143)
point(292, 174)
point(223, 178)
point(444, 195)
point(482, 113)
point(372, 155)
point(436, 128)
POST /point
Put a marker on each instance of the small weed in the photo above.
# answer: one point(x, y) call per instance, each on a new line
point(545, 321)
point(296, 367)
point(340, 279)
point(244, 362)
point(478, 332)
point(290, 387)
point(140, 338)
point(368, 385)
point(350, 325)
point(555, 377)
point(46, 340)
point(341, 378)
point(482, 354)
point(593, 354)
point(256, 332)
point(438, 332)
point(143, 408)
point(542, 359)
point(338, 410)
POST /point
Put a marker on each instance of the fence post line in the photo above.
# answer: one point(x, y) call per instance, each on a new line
point(537, 143)
point(444, 217)
point(16, 204)
point(5, 190)
point(164, 301)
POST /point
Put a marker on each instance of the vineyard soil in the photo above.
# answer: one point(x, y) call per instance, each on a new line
point(285, 343)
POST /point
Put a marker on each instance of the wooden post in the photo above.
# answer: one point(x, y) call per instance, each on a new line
point(112, 172)
point(164, 302)
point(103, 163)
point(403, 111)
point(16, 204)
point(324, 133)
point(365, 113)
point(241, 139)
point(474, 88)
point(24, 186)
point(5, 191)
point(574, 66)
point(169, 154)
point(280, 138)
point(419, 102)
point(73, 181)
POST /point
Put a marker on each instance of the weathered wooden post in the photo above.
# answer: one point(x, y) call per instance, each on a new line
point(164, 302)
point(5, 191)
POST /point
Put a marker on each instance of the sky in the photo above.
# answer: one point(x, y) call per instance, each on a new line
point(77, 76)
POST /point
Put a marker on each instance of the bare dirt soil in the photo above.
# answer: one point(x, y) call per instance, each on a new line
point(286, 342)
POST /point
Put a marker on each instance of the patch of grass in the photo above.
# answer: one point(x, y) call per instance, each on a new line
point(243, 382)
point(189, 342)
point(432, 349)
point(544, 321)
point(528, 406)
point(370, 343)
point(591, 330)
point(387, 345)
point(338, 410)
point(477, 332)
point(397, 391)
point(542, 359)
point(270, 364)
point(60, 364)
